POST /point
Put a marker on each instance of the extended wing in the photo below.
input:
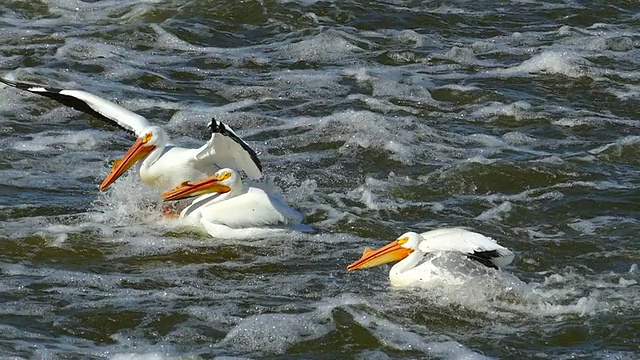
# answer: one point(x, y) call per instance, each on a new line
point(228, 150)
point(89, 104)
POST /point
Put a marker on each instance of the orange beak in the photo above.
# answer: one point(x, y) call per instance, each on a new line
point(205, 186)
point(138, 151)
point(386, 254)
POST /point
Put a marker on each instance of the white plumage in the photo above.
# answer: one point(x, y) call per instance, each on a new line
point(231, 206)
point(412, 247)
point(163, 165)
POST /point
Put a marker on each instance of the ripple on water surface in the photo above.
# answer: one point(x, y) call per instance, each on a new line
point(518, 122)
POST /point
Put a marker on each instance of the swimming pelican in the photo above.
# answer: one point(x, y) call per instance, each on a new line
point(224, 205)
point(412, 247)
point(164, 165)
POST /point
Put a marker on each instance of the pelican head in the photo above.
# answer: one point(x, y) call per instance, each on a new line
point(396, 250)
point(223, 181)
point(151, 138)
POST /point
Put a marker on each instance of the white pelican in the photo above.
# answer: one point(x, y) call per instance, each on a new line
point(165, 165)
point(224, 205)
point(412, 247)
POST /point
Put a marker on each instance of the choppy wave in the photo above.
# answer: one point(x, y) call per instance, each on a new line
point(518, 121)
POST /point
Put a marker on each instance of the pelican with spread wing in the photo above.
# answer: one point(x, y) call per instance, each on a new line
point(162, 164)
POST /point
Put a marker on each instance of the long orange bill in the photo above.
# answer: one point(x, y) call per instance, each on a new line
point(138, 151)
point(386, 254)
point(187, 189)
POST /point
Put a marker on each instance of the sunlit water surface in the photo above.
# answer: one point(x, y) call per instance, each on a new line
point(516, 119)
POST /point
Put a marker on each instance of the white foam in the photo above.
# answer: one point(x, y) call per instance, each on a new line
point(549, 62)
point(606, 354)
point(626, 92)
point(274, 333)
point(366, 129)
point(403, 339)
point(361, 75)
point(331, 45)
point(410, 87)
point(147, 356)
point(169, 41)
point(593, 225)
point(496, 213)
point(464, 56)
point(411, 37)
point(54, 141)
point(617, 145)
point(372, 355)
point(458, 87)
point(520, 110)
point(76, 11)
point(200, 116)
point(367, 194)
point(517, 138)
point(594, 121)
point(383, 106)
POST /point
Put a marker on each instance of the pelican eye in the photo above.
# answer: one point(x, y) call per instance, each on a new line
point(225, 175)
point(147, 138)
point(403, 240)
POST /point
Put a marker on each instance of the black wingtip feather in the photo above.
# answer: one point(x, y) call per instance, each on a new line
point(28, 86)
point(485, 257)
point(67, 100)
point(219, 127)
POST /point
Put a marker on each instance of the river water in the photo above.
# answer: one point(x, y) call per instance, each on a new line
point(517, 119)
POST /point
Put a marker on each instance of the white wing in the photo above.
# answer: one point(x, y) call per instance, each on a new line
point(252, 209)
point(228, 150)
point(88, 103)
point(225, 148)
point(279, 203)
point(477, 246)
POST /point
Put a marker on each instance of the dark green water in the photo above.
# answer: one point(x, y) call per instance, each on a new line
point(516, 119)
